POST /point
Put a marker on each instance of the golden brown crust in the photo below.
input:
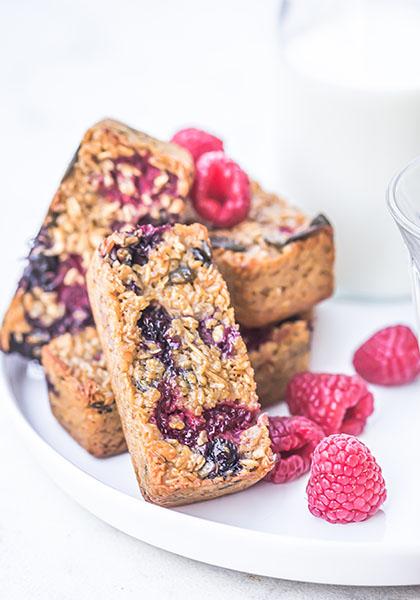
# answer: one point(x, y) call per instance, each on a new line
point(166, 469)
point(80, 404)
point(273, 289)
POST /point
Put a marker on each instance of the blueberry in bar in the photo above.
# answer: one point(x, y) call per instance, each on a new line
point(80, 392)
point(118, 176)
point(277, 353)
point(180, 372)
point(277, 262)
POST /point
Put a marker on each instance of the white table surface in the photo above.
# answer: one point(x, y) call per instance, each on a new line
point(159, 65)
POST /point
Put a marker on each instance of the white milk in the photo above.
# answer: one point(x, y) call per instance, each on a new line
point(349, 119)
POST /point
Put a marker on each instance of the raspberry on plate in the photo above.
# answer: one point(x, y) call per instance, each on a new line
point(197, 141)
point(389, 357)
point(293, 440)
point(337, 403)
point(222, 191)
point(346, 483)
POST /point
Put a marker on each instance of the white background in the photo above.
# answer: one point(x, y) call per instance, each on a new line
point(158, 65)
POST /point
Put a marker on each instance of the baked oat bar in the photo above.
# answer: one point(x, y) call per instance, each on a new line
point(277, 263)
point(181, 375)
point(117, 176)
point(80, 393)
point(277, 352)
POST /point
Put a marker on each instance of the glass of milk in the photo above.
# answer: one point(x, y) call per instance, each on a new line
point(348, 117)
point(404, 204)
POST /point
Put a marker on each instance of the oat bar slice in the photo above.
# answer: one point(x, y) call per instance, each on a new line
point(179, 368)
point(80, 392)
point(277, 263)
point(117, 176)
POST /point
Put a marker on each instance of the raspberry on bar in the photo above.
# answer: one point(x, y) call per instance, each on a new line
point(222, 192)
point(197, 141)
point(118, 176)
point(181, 375)
point(80, 393)
point(277, 262)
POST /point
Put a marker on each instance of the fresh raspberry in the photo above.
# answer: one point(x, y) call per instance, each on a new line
point(346, 483)
point(197, 142)
point(390, 357)
point(221, 194)
point(338, 403)
point(293, 440)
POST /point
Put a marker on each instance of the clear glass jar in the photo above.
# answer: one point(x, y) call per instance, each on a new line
point(404, 204)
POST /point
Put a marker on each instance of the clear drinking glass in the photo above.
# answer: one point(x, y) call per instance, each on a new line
point(404, 204)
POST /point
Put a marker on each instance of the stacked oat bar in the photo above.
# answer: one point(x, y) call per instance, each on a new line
point(277, 265)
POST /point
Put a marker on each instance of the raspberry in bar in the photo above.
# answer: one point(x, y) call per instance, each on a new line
point(277, 262)
point(118, 176)
point(80, 393)
point(181, 375)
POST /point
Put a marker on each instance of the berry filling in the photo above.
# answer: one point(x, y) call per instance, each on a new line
point(222, 459)
point(220, 336)
point(254, 338)
point(173, 422)
point(221, 424)
point(227, 420)
point(293, 440)
point(138, 253)
point(134, 180)
point(222, 193)
point(197, 142)
point(50, 274)
point(154, 324)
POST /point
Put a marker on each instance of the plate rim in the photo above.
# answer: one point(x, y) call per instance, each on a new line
point(291, 548)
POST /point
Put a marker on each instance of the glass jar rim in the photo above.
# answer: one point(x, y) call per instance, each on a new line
point(400, 216)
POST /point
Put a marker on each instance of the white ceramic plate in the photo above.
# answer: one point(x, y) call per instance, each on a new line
point(266, 530)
